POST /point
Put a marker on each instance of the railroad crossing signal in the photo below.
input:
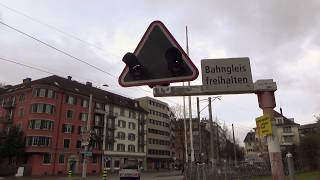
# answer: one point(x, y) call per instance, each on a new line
point(157, 60)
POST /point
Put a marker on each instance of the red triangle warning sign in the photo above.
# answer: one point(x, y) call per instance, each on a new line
point(157, 60)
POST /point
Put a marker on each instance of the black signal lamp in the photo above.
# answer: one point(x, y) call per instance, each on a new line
point(135, 67)
point(174, 61)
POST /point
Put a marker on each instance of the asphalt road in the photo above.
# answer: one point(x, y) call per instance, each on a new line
point(168, 175)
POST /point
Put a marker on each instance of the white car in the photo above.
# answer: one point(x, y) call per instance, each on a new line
point(130, 170)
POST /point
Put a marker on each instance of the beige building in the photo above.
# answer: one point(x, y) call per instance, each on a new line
point(125, 137)
point(287, 132)
point(158, 136)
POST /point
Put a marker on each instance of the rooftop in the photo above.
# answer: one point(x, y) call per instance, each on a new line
point(72, 86)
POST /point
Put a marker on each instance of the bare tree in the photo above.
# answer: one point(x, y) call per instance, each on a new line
point(178, 111)
point(317, 118)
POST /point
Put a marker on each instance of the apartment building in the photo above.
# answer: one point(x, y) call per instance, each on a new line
point(308, 129)
point(53, 113)
point(287, 132)
point(159, 152)
point(255, 147)
point(199, 139)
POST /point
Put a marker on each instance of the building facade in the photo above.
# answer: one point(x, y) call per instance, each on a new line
point(158, 135)
point(201, 141)
point(308, 129)
point(57, 115)
point(287, 132)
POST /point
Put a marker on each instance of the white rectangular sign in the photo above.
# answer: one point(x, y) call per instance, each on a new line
point(227, 75)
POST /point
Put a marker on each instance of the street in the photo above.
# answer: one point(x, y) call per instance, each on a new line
point(168, 175)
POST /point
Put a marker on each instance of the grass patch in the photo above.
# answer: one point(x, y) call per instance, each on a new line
point(314, 175)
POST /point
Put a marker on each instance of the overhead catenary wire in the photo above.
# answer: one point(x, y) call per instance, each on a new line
point(70, 55)
point(56, 49)
point(42, 70)
point(51, 27)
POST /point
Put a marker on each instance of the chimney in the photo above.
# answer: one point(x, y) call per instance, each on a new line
point(69, 78)
point(89, 84)
point(26, 81)
point(281, 111)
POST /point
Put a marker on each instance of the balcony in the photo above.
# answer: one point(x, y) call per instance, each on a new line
point(286, 143)
point(110, 139)
point(99, 111)
point(98, 124)
point(287, 133)
point(9, 105)
point(6, 119)
point(112, 128)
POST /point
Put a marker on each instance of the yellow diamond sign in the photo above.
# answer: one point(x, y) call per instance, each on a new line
point(264, 126)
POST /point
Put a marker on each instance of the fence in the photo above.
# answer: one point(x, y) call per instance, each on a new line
point(225, 171)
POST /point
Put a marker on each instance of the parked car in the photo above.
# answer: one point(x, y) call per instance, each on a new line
point(130, 170)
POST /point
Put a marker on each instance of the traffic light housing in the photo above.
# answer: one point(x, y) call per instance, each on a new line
point(157, 60)
point(135, 68)
point(174, 61)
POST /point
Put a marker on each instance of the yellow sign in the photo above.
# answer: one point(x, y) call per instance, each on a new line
point(264, 126)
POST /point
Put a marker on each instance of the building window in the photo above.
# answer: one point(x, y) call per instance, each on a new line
point(66, 143)
point(110, 147)
point(288, 139)
point(116, 163)
point(131, 137)
point(84, 103)
point(40, 124)
point(22, 98)
point(71, 100)
point(51, 94)
point(61, 159)
point(131, 148)
point(38, 141)
point(21, 112)
point(121, 135)
point(122, 111)
point(98, 106)
point(132, 114)
point(121, 123)
point(82, 129)
point(83, 116)
point(42, 108)
point(78, 144)
point(42, 92)
point(69, 114)
point(46, 158)
point(67, 128)
point(94, 159)
point(121, 147)
point(132, 125)
point(287, 129)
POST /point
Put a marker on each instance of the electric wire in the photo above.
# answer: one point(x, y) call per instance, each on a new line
point(70, 55)
point(45, 71)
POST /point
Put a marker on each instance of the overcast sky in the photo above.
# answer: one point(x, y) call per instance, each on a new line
point(281, 38)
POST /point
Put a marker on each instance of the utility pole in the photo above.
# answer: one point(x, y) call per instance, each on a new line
point(211, 134)
point(267, 102)
point(199, 127)
point(185, 128)
point(104, 142)
point(234, 148)
point(190, 110)
point(218, 141)
point(86, 148)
